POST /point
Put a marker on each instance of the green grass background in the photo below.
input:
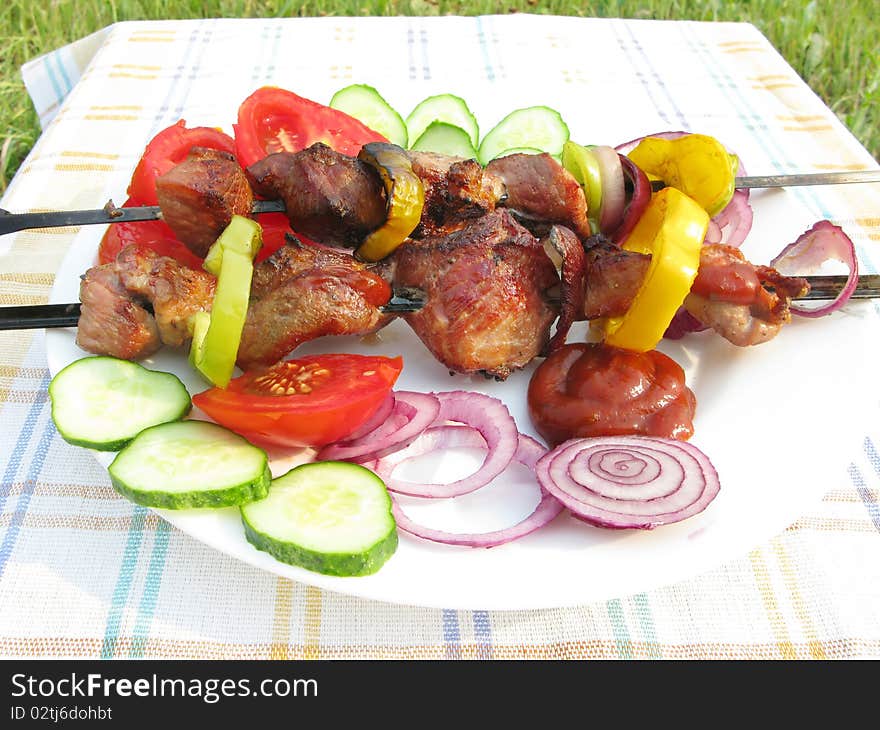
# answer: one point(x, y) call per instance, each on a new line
point(832, 44)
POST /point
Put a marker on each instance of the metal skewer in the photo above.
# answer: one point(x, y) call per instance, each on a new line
point(46, 316)
point(13, 222)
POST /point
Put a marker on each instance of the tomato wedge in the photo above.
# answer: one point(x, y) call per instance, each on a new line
point(310, 401)
point(276, 120)
point(168, 148)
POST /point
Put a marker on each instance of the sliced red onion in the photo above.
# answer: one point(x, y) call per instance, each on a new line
point(412, 414)
point(683, 323)
point(571, 294)
point(638, 201)
point(490, 417)
point(373, 422)
point(629, 482)
point(626, 147)
point(823, 242)
point(528, 452)
point(613, 188)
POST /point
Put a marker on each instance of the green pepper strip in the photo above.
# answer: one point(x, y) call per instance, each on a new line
point(584, 167)
point(216, 337)
point(406, 198)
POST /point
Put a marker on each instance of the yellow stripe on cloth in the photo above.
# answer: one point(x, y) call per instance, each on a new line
point(771, 605)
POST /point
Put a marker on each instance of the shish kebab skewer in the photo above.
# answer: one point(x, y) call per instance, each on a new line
point(110, 213)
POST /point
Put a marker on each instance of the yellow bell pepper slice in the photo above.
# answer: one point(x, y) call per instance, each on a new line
point(696, 164)
point(216, 336)
point(671, 230)
point(406, 198)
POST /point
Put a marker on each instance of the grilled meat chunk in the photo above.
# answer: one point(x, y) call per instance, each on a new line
point(541, 192)
point(111, 322)
point(612, 277)
point(744, 303)
point(329, 197)
point(456, 191)
point(486, 309)
point(175, 292)
point(199, 196)
point(303, 292)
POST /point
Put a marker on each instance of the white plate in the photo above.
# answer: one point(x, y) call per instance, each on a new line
point(781, 421)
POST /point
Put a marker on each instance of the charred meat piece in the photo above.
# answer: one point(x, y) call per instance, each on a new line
point(199, 196)
point(456, 191)
point(303, 292)
point(612, 277)
point(542, 192)
point(175, 292)
point(111, 322)
point(329, 197)
point(486, 307)
point(744, 303)
point(572, 264)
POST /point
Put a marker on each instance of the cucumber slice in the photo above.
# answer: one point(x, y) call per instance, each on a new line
point(536, 126)
point(446, 108)
point(446, 139)
point(520, 151)
point(366, 104)
point(190, 464)
point(103, 402)
point(331, 517)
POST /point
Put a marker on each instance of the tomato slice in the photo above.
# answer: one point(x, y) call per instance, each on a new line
point(310, 401)
point(276, 120)
point(169, 148)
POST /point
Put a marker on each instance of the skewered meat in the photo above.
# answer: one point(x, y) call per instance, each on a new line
point(304, 292)
point(456, 191)
point(613, 277)
point(745, 304)
point(541, 192)
point(486, 307)
point(329, 197)
point(175, 292)
point(111, 322)
point(199, 196)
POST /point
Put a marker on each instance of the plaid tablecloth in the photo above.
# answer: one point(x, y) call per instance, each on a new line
point(84, 573)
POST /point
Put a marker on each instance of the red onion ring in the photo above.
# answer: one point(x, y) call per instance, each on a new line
point(683, 323)
point(571, 294)
point(821, 243)
point(641, 196)
point(373, 422)
point(490, 417)
point(613, 188)
point(629, 482)
point(528, 451)
point(412, 414)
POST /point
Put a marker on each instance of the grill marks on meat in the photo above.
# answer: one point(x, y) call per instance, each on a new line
point(541, 192)
point(303, 292)
point(456, 191)
point(486, 309)
point(612, 277)
point(175, 292)
point(744, 303)
point(111, 322)
point(329, 197)
point(199, 196)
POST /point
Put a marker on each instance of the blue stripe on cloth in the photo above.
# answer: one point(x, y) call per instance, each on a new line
point(483, 634)
point(151, 590)
point(34, 469)
point(426, 66)
point(50, 73)
point(870, 503)
point(123, 582)
point(68, 87)
point(484, 48)
point(451, 634)
point(411, 51)
point(646, 620)
point(618, 628)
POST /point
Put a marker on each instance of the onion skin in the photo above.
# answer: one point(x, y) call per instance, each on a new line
point(574, 263)
point(822, 242)
point(629, 482)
